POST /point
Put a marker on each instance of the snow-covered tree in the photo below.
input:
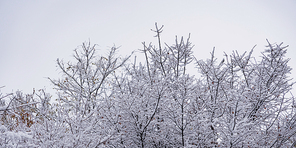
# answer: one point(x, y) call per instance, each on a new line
point(246, 99)
point(84, 108)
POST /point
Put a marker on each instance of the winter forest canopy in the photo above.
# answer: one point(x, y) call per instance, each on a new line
point(111, 101)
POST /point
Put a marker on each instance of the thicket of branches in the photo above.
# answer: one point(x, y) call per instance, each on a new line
point(109, 101)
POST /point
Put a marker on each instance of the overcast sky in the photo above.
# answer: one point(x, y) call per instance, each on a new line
point(33, 34)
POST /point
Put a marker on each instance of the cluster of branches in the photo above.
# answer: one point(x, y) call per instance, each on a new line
point(107, 101)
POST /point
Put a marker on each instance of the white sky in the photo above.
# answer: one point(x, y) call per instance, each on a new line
point(33, 34)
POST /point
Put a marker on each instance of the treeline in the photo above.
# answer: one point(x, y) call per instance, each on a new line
point(110, 101)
